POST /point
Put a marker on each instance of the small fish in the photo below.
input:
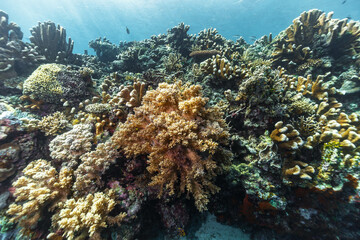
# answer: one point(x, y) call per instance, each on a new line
point(253, 38)
point(181, 232)
point(349, 17)
point(237, 36)
point(127, 30)
point(343, 2)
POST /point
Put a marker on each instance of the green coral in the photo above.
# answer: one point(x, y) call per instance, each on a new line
point(42, 84)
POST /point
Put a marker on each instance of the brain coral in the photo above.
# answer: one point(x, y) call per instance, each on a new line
point(181, 137)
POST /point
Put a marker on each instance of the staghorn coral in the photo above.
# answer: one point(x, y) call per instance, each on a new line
point(51, 41)
point(41, 188)
point(69, 146)
point(86, 216)
point(181, 138)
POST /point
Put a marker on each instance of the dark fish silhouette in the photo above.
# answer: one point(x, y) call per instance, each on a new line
point(127, 30)
point(343, 2)
point(348, 17)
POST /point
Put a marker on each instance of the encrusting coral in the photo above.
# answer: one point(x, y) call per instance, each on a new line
point(41, 189)
point(181, 138)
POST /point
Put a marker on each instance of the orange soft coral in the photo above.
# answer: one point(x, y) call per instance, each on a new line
point(181, 138)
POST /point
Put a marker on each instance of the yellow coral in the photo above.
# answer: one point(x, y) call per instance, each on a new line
point(180, 136)
point(40, 187)
point(87, 215)
point(42, 84)
point(53, 124)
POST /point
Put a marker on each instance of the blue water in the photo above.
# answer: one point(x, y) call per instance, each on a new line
point(87, 20)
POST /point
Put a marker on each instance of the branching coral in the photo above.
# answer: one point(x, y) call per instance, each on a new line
point(40, 189)
point(87, 215)
point(51, 41)
point(173, 62)
point(180, 136)
point(220, 67)
point(15, 55)
point(53, 124)
point(314, 35)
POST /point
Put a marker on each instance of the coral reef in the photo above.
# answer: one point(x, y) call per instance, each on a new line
point(148, 135)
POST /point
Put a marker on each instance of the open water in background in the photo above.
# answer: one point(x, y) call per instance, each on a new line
point(86, 20)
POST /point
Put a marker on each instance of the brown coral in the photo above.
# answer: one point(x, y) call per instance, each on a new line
point(180, 136)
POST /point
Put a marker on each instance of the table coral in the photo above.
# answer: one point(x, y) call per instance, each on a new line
point(41, 188)
point(181, 137)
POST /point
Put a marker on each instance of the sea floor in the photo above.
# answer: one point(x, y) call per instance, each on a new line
point(209, 229)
